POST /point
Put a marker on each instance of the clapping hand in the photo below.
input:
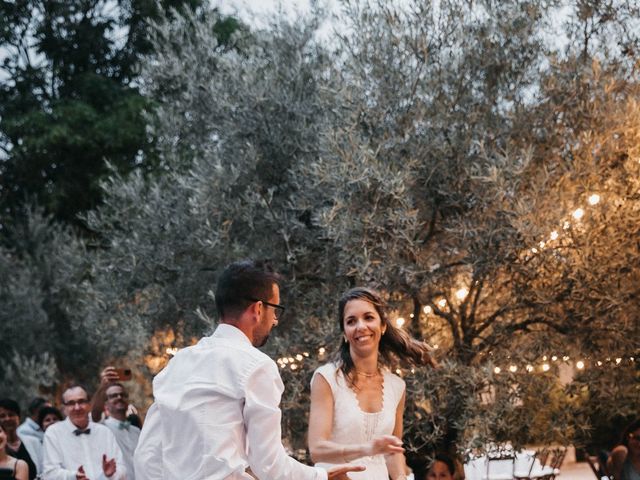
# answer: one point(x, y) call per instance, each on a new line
point(80, 475)
point(108, 466)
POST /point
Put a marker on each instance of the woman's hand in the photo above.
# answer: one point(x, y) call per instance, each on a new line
point(385, 445)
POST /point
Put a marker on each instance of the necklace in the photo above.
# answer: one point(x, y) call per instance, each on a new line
point(368, 375)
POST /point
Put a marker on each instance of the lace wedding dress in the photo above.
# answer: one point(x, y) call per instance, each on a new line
point(351, 425)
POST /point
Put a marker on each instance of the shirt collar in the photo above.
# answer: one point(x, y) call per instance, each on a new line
point(117, 423)
point(71, 427)
point(229, 332)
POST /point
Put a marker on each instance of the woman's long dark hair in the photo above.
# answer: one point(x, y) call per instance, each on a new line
point(395, 344)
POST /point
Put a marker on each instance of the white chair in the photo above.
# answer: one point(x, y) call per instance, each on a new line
point(500, 467)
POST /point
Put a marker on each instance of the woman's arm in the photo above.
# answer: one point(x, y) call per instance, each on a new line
point(396, 463)
point(616, 461)
point(22, 470)
point(321, 423)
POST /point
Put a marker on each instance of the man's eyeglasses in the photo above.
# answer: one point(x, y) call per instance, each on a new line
point(123, 395)
point(278, 308)
point(73, 403)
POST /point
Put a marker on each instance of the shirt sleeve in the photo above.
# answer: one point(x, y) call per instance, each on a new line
point(267, 457)
point(147, 458)
point(52, 468)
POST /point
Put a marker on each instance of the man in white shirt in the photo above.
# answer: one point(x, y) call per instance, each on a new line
point(76, 449)
point(113, 397)
point(216, 412)
point(30, 427)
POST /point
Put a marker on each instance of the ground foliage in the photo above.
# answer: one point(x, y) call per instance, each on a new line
point(427, 151)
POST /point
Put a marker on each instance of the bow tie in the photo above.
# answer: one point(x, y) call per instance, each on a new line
point(78, 432)
point(124, 426)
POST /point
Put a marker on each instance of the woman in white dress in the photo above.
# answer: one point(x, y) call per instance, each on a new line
point(357, 404)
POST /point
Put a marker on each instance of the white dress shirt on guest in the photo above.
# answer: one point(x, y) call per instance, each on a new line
point(127, 437)
point(30, 428)
point(216, 412)
point(65, 452)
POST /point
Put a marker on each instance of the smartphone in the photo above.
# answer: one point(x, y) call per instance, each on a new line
point(124, 374)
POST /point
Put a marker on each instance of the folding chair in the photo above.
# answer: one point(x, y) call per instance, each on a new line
point(500, 467)
point(525, 471)
point(598, 468)
point(550, 471)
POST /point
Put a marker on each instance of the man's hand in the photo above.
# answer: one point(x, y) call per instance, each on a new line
point(108, 376)
point(108, 466)
point(339, 472)
point(80, 475)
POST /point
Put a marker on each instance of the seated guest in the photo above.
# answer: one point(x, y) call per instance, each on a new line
point(30, 427)
point(27, 448)
point(442, 468)
point(48, 416)
point(112, 397)
point(11, 468)
point(79, 449)
point(624, 461)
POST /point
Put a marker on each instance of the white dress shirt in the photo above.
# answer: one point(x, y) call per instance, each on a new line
point(216, 412)
point(127, 437)
point(64, 452)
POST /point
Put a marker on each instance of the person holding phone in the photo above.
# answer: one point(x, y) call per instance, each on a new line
point(112, 398)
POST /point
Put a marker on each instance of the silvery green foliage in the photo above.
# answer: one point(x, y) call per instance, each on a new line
point(26, 377)
point(423, 156)
point(233, 125)
point(54, 328)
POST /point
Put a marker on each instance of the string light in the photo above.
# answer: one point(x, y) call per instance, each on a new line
point(554, 358)
point(321, 350)
point(299, 357)
point(411, 315)
point(594, 199)
point(566, 225)
point(545, 367)
point(579, 364)
point(427, 309)
point(400, 322)
point(578, 213)
point(462, 293)
point(529, 368)
point(618, 360)
point(554, 235)
point(513, 369)
point(442, 303)
point(497, 370)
